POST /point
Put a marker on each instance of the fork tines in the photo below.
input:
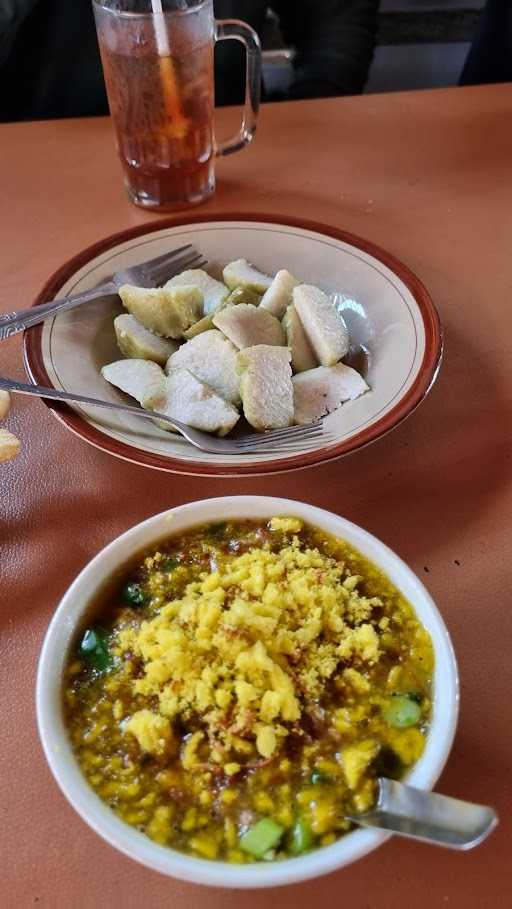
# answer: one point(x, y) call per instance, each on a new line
point(172, 264)
point(288, 448)
point(282, 437)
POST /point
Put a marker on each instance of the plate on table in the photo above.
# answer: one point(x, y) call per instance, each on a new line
point(395, 335)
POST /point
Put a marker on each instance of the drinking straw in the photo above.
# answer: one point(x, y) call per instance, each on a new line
point(178, 123)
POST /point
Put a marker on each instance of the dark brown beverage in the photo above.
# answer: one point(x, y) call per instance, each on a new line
point(157, 59)
point(162, 108)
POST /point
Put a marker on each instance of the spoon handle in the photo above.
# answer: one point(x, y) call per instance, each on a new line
point(428, 816)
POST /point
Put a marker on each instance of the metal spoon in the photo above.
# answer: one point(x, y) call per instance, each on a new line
point(428, 816)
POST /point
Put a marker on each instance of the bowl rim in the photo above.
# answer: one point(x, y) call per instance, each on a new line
point(405, 406)
point(138, 846)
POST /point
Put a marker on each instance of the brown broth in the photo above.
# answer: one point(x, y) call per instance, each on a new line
point(205, 810)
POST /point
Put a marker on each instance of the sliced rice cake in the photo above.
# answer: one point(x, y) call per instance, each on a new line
point(211, 358)
point(279, 295)
point(137, 342)
point(196, 404)
point(302, 353)
point(166, 312)
point(141, 379)
point(248, 326)
point(266, 386)
point(242, 274)
point(319, 391)
point(213, 292)
point(324, 326)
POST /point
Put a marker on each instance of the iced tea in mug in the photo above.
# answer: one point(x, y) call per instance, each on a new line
point(158, 68)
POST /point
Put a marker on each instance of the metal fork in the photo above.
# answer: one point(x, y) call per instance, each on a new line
point(277, 441)
point(148, 274)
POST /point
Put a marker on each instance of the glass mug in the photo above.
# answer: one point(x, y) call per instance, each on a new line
point(158, 69)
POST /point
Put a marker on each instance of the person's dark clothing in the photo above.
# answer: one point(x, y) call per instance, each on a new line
point(49, 60)
point(50, 64)
point(334, 41)
point(490, 56)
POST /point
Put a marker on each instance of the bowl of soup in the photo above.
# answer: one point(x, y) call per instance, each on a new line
point(221, 687)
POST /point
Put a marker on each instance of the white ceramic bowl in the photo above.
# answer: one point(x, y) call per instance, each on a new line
point(135, 844)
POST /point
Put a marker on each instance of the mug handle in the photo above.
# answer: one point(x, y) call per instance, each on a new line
point(233, 29)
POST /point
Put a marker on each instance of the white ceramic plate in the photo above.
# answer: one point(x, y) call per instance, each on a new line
point(388, 311)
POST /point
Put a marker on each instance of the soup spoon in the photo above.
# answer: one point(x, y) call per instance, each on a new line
point(428, 816)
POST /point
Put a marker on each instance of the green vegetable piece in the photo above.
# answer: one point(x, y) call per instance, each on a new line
point(402, 712)
point(218, 530)
point(261, 837)
point(93, 648)
point(170, 564)
point(318, 777)
point(301, 838)
point(134, 595)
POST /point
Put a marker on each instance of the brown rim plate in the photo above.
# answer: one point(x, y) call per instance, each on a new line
point(390, 309)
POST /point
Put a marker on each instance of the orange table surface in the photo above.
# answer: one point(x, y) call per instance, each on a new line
point(427, 175)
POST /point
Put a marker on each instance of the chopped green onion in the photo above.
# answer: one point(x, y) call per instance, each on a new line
point(401, 712)
point(170, 564)
point(261, 837)
point(318, 777)
point(134, 595)
point(301, 838)
point(217, 530)
point(93, 648)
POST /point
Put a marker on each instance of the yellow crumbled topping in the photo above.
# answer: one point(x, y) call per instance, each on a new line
point(118, 710)
point(204, 845)
point(159, 826)
point(408, 744)
point(189, 757)
point(286, 525)
point(246, 647)
point(263, 802)
point(355, 760)
point(152, 731)
point(393, 679)
point(356, 680)
point(265, 740)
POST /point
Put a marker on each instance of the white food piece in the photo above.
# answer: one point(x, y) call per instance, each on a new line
point(324, 326)
point(9, 446)
point(135, 341)
point(211, 358)
point(248, 326)
point(320, 391)
point(166, 312)
point(5, 403)
point(242, 274)
point(196, 404)
point(302, 353)
point(214, 292)
point(141, 379)
point(279, 295)
point(266, 386)
point(239, 295)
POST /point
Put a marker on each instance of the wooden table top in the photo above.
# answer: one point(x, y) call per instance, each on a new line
point(426, 175)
